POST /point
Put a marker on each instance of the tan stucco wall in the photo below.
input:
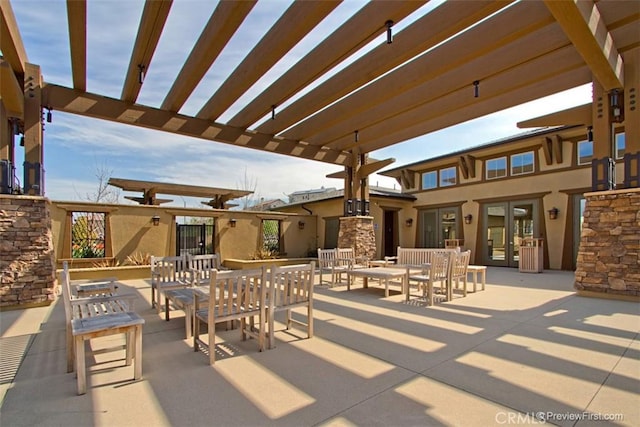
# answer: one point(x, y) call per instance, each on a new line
point(133, 232)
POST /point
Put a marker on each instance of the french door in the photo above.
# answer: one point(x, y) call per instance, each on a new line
point(506, 225)
point(438, 225)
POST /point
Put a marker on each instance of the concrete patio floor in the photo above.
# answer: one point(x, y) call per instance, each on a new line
point(525, 345)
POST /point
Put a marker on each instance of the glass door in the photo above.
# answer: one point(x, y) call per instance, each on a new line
point(437, 225)
point(507, 224)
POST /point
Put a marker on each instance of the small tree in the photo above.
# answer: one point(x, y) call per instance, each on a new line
point(104, 192)
point(249, 184)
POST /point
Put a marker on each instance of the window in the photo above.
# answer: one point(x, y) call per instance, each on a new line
point(496, 168)
point(429, 180)
point(88, 230)
point(271, 236)
point(522, 163)
point(585, 152)
point(620, 145)
point(447, 177)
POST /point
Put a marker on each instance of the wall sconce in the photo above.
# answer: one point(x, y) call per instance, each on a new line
point(409, 222)
point(553, 213)
point(301, 225)
point(232, 223)
point(468, 219)
point(155, 220)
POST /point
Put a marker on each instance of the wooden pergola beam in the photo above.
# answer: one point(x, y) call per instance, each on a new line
point(527, 75)
point(300, 18)
point(457, 109)
point(222, 25)
point(584, 26)
point(580, 115)
point(339, 45)
point(154, 16)
point(433, 28)
point(77, 18)
point(431, 77)
point(10, 41)
point(91, 105)
point(10, 91)
point(372, 167)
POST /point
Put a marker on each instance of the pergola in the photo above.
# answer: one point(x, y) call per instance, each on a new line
point(455, 62)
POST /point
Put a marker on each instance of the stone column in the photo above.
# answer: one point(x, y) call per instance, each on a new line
point(357, 232)
point(27, 265)
point(609, 255)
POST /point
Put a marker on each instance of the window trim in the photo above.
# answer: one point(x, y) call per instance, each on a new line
point(533, 163)
point(455, 176)
point(578, 143)
point(422, 174)
point(486, 168)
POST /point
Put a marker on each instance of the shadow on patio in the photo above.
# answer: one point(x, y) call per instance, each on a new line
point(525, 345)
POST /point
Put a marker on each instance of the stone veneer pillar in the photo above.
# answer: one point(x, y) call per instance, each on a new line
point(608, 258)
point(357, 232)
point(27, 262)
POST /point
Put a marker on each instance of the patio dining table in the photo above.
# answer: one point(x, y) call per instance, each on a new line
point(384, 274)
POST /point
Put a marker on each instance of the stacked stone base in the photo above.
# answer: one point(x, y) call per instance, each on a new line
point(27, 268)
point(357, 232)
point(608, 258)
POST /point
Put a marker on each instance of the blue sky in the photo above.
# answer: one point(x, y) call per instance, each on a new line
point(76, 147)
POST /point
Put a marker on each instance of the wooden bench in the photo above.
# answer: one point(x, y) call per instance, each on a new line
point(414, 256)
point(97, 316)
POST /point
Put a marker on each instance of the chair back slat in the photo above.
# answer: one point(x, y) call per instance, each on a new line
point(291, 284)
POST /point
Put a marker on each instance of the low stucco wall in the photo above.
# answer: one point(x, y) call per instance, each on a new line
point(132, 272)
point(243, 264)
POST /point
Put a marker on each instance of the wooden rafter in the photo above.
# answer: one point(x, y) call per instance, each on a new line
point(411, 86)
point(580, 115)
point(300, 18)
point(584, 26)
point(525, 75)
point(101, 107)
point(11, 92)
point(222, 25)
point(154, 16)
point(373, 166)
point(10, 41)
point(457, 109)
point(407, 178)
point(77, 17)
point(443, 22)
point(370, 22)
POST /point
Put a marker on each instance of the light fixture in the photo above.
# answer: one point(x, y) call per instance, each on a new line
point(468, 219)
point(389, 24)
point(590, 134)
point(616, 100)
point(476, 88)
point(409, 222)
point(273, 112)
point(22, 141)
point(141, 73)
point(49, 115)
point(232, 223)
point(155, 220)
point(553, 213)
point(301, 225)
point(355, 133)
